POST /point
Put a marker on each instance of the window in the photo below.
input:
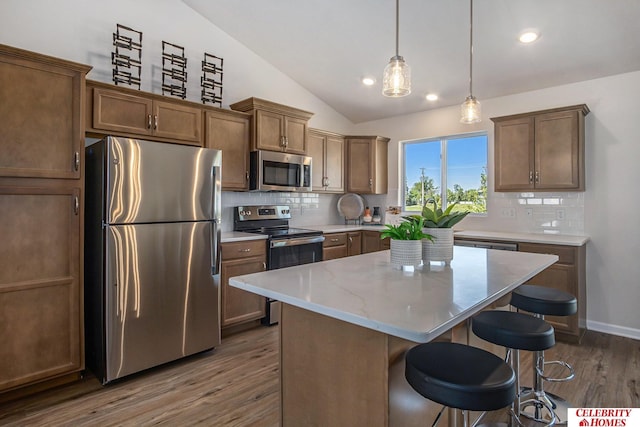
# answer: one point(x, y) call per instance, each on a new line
point(457, 164)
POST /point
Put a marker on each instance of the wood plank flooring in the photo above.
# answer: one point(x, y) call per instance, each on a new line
point(237, 385)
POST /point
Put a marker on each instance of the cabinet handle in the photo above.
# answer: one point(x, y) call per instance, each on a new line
point(76, 161)
point(244, 250)
point(370, 182)
point(282, 141)
point(530, 177)
point(246, 175)
point(537, 176)
point(149, 121)
point(155, 121)
point(350, 240)
point(335, 240)
point(286, 141)
point(76, 205)
point(326, 182)
point(264, 265)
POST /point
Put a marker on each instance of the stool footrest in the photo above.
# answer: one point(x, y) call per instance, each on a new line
point(538, 411)
point(557, 380)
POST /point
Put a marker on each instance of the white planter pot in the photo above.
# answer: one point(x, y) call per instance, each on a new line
point(441, 249)
point(406, 253)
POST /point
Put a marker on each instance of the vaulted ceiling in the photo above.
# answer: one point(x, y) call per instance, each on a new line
point(327, 46)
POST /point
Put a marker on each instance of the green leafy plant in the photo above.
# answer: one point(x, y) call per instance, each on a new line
point(436, 218)
point(406, 230)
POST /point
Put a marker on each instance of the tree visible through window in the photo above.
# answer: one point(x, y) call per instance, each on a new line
point(449, 169)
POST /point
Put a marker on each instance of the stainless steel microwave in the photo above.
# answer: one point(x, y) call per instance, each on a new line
point(274, 171)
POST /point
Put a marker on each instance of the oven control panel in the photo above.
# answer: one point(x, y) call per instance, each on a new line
point(258, 212)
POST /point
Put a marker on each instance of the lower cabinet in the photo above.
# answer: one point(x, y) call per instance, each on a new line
point(40, 283)
point(334, 246)
point(568, 274)
point(238, 258)
point(371, 242)
point(354, 243)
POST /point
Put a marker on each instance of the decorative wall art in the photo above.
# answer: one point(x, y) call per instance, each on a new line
point(211, 80)
point(127, 56)
point(174, 70)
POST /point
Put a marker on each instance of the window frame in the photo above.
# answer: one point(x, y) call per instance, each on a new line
point(443, 165)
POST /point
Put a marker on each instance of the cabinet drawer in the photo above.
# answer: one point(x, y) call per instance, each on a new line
point(244, 249)
point(334, 239)
point(565, 253)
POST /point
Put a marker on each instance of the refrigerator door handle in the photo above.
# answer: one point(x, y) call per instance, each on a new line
point(216, 172)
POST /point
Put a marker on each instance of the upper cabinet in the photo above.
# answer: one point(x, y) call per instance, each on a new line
point(41, 133)
point(129, 112)
point(540, 151)
point(276, 127)
point(229, 131)
point(366, 164)
point(327, 151)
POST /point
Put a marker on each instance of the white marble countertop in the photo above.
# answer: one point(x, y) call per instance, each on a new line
point(550, 239)
point(418, 306)
point(237, 236)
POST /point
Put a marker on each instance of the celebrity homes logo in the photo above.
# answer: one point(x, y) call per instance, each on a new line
point(603, 417)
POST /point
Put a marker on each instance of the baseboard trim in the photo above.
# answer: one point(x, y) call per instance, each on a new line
point(607, 328)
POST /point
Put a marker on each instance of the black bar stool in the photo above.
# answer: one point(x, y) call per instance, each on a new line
point(461, 377)
point(515, 332)
point(541, 301)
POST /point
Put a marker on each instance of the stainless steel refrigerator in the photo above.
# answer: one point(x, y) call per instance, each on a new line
point(152, 233)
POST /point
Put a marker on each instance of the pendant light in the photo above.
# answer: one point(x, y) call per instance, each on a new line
point(396, 81)
point(470, 109)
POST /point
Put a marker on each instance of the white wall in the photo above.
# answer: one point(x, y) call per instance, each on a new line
point(606, 211)
point(81, 31)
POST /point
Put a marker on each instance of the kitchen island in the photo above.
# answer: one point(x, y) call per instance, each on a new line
point(346, 323)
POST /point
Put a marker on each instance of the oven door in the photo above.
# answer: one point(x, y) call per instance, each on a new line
point(294, 251)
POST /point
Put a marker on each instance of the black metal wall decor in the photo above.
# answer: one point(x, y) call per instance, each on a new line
point(127, 56)
point(174, 70)
point(211, 80)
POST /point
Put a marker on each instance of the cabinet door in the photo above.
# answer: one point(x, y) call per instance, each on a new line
point(176, 121)
point(359, 166)
point(41, 126)
point(240, 306)
point(514, 154)
point(334, 164)
point(295, 131)
point(334, 252)
point(557, 151)
point(316, 149)
point(40, 294)
point(269, 130)
point(354, 243)
point(121, 112)
point(370, 241)
point(230, 134)
point(562, 277)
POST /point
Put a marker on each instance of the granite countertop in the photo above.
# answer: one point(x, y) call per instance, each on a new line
point(416, 305)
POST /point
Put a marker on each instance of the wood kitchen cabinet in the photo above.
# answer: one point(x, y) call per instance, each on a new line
point(540, 151)
point(275, 127)
point(41, 220)
point(568, 274)
point(327, 151)
point(334, 246)
point(371, 242)
point(229, 131)
point(367, 164)
point(354, 243)
point(114, 110)
point(238, 258)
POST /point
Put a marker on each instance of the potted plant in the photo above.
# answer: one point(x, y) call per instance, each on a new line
point(406, 241)
point(439, 224)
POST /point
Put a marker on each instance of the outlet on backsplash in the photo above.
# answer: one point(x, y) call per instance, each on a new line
point(529, 212)
point(508, 212)
point(560, 214)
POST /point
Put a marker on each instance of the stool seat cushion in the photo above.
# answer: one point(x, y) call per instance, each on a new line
point(513, 330)
point(544, 300)
point(460, 376)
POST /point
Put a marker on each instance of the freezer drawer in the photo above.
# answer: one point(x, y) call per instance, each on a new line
point(161, 300)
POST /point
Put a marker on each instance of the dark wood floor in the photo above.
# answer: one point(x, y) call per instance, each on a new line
point(237, 385)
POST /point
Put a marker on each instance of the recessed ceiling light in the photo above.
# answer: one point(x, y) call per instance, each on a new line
point(368, 81)
point(529, 36)
point(432, 97)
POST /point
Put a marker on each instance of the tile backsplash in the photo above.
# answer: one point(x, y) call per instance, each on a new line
point(558, 213)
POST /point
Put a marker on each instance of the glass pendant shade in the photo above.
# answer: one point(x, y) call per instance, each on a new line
point(470, 110)
point(396, 81)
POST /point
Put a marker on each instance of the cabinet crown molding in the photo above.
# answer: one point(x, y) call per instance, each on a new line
point(580, 107)
point(249, 104)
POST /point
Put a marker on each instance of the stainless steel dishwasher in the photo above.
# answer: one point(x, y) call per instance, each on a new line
point(503, 246)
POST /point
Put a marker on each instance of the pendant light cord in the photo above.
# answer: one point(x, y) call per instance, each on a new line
point(471, 49)
point(397, 27)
